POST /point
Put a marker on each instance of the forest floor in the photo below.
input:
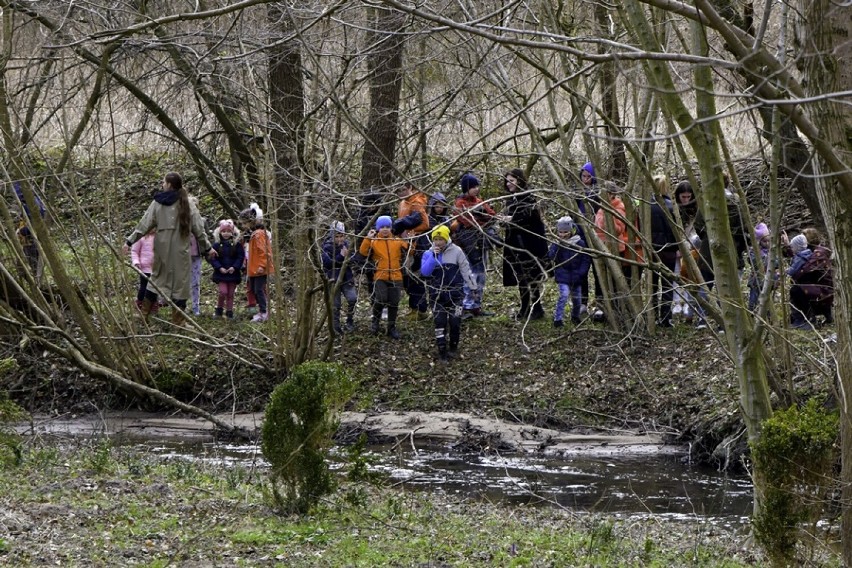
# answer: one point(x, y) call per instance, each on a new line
point(96, 505)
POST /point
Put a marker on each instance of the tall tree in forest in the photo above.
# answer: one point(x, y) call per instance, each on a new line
point(286, 109)
point(609, 98)
point(744, 346)
point(384, 62)
point(825, 29)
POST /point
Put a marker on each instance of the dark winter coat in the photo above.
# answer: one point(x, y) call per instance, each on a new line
point(570, 265)
point(231, 254)
point(332, 260)
point(525, 245)
point(662, 235)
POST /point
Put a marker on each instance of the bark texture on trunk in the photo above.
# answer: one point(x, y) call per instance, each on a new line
point(825, 35)
point(385, 69)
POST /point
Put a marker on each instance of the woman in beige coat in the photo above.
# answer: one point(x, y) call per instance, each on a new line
point(175, 218)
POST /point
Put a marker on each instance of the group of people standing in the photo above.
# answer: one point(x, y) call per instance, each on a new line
point(437, 252)
point(167, 245)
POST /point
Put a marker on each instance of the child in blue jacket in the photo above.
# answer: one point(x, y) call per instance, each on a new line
point(446, 270)
point(571, 269)
point(227, 266)
point(335, 249)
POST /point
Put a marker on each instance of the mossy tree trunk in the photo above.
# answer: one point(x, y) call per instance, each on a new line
point(826, 50)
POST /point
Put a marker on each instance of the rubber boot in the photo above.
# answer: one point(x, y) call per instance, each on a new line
point(217, 313)
point(178, 317)
point(146, 308)
point(229, 314)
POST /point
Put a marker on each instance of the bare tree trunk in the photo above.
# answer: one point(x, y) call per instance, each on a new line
point(286, 111)
point(609, 100)
point(825, 29)
point(385, 68)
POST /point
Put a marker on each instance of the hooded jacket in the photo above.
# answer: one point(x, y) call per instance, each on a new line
point(571, 265)
point(447, 271)
point(170, 275)
point(415, 203)
point(332, 260)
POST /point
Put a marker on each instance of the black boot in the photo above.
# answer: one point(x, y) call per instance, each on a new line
point(377, 317)
point(537, 311)
point(524, 312)
point(229, 314)
point(453, 351)
point(217, 313)
point(393, 333)
point(350, 319)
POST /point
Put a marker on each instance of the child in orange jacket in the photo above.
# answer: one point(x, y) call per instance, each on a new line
point(389, 253)
point(259, 258)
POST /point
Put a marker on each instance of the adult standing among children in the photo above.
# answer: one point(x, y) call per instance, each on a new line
point(665, 247)
point(26, 236)
point(175, 219)
point(588, 203)
point(525, 247)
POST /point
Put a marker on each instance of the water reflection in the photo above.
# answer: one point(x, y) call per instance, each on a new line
point(657, 485)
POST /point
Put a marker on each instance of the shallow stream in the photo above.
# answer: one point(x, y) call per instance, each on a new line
point(623, 475)
point(643, 485)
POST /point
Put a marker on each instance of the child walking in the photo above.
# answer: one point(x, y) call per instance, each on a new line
point(258, 258)
point(755, 280)
point(447, 271)
point(142, 257)
point(227, 266)
point(388, 252)
point(335, 249)
point(571, 269)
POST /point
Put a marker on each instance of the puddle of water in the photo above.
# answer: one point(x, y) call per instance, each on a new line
point(640, 485)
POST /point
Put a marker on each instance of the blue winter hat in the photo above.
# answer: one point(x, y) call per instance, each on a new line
point(468, 181)
point(588, 167)
point(384, 222)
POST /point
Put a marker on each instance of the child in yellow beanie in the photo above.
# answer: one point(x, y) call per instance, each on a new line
point(446, 270)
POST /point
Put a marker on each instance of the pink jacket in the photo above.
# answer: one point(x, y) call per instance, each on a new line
point(142, 254)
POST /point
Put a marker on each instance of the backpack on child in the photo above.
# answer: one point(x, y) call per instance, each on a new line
point(816, 275)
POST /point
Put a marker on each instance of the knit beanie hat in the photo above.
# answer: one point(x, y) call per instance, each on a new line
point(384, 222)
point(226, 226)
point(468, 181)
point(441, 232)
point(338, 227)
point(798, 244)
point(565, 224)
point(760, 231)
